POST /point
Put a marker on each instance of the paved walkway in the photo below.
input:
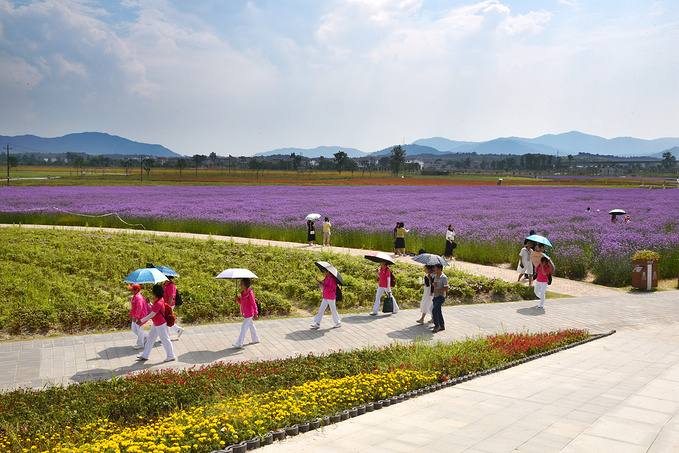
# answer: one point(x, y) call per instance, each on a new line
point(618, 394)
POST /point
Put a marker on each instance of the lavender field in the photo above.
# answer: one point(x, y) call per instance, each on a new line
point(491, 221)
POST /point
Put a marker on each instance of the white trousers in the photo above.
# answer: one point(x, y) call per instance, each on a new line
point(175, 327)
point(248, 324)
point(325, 303)
point(163, 333)
point(139, 332)
point(540, 290)
point(378, 299)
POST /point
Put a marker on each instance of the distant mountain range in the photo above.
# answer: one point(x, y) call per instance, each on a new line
point(94, 143)
point(562, 145)
point(97, 143)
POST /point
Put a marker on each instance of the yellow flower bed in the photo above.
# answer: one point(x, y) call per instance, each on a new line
point(240, 418)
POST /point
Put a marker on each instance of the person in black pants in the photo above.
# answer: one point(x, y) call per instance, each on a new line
point(440, 285)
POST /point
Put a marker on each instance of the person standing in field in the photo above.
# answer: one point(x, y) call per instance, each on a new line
point(396, 229)
point(140, 308)
point(544, 271)
point(400, 241)
point(326, 231)
point(329, 287)
point(248, 308)
point(383, 286)
point(450, 243)
point(427, 302)
point(525, 266)
point(159, 328)
point(310, 232)
point(170, 294)
point(440, 285)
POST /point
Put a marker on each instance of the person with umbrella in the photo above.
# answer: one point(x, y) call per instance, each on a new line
point(310, 232)
point(427, 302)
point(248, 308)
point(139, 309)
point(329, 287)
point(159, 328)
point(384, 285)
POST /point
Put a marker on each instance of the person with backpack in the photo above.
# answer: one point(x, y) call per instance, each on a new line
point(386, 282)
point(139, 309)
point(544, 270)
point(330, 293)
point(170, 297)
point(161, 315)
point(248, 308)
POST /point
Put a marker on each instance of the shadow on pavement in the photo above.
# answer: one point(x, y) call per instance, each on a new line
point(362, 319)
point(307, 334)
point(530, 311)
point(115, 352)
point(411, 333)
point(99, 374)
point(201, 357)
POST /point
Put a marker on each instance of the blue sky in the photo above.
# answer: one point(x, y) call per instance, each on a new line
point(240, 77)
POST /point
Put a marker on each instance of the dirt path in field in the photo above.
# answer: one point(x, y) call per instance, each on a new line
point(559, 285)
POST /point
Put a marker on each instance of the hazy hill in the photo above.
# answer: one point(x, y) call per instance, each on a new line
point(411, 150)
point(94, 143)
point(325, 151)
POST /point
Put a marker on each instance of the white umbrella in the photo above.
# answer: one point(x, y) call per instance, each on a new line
point(617, 212)
point(236, 274)
point(313, 216)
point(379, 257)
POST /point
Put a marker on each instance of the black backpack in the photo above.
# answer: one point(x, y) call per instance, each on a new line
point(178, 299)
point(338, 294)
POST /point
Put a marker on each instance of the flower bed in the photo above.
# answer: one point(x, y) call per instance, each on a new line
point(201, 409)
point(491, 221)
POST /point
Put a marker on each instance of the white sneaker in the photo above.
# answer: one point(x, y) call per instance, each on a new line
point(179, 335)
point(169, 359)
point(237, 346)
point(254, 342)
point(315, 325)
point(139, 346)
point(337, 325)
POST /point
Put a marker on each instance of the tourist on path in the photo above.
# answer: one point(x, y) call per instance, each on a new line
point(525, 266)
point(139, 309)
point(329, 287)
point(440, 284)
point(400, 240)
point(450, 243)
point(326, 231)
point(384, 285)
point(248, 308)
point(310, 232)
point(544, 270)
point(170, 291)
point(427, 302)
point(159, 328)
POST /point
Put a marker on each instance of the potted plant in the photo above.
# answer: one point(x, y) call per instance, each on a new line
point(645, 257)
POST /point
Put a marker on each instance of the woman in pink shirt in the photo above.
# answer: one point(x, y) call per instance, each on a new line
point(140, 308)
point(170, 293)
point(545, 268)
point(159, 328)
point(383, 286)
point(329, 287)
point(248, 308)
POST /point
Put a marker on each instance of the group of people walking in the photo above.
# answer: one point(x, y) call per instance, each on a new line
point(535, 265)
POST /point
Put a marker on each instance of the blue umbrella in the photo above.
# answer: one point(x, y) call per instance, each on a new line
point(167, 271)
point(539, 239)
point(145, 275)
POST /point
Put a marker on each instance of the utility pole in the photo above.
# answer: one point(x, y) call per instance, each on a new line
point(8, 148)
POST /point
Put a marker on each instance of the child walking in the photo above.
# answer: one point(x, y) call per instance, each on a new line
point(248, 308)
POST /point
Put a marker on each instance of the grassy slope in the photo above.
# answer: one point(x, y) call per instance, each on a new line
point(67, 281)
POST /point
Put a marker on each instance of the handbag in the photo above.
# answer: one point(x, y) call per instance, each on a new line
point(388, 306)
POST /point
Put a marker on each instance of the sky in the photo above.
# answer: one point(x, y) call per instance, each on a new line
point(241, 77)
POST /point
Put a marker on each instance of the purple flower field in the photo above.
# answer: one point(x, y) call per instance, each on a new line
point(492, 218)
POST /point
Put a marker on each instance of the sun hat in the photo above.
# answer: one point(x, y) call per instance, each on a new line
point(137, 287)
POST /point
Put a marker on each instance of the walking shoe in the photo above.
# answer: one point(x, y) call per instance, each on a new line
point(315, 325)
point(254, 342)
point(179, 335)
point(139, 346)
point(339, 324)
point(169, 359)
point(237, 346)
point(141, 358)
point(441, 328)
point(419, 321)
point(373, 314)
point(435, 329)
